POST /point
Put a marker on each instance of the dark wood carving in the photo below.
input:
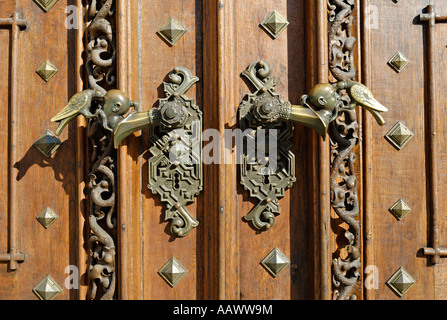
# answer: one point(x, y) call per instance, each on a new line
point(101, 46)
point(101, 68)
point(344, 137)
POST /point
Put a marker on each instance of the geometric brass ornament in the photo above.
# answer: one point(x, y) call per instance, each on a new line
point(48, 143)
point(173, 271)
point(47, 289)
point(175, 167)
point(399, 135)
point(266, 172)
point(47, 70)
point(398, 61)
point(275, 262)
point(274, 24)
point(401, 282)
point(400, 209)
point(172, 31)
point(46, 4)
point(47, 217)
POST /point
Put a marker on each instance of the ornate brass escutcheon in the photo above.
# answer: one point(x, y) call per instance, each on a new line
point(175, 168)
point(264, 110)
point(266, 176)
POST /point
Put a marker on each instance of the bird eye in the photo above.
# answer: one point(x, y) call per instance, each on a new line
point(117, 107)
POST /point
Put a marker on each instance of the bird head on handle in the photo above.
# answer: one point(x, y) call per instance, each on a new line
point(116, 105)
point(324, 102)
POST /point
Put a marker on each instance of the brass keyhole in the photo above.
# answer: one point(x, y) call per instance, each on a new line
point(266, 179)
point(176, 181)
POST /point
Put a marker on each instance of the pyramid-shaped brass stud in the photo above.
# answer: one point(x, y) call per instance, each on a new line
point(47, 217)
point(46, 4)
point(47, 289)
point(398, 61)
point(399, 135)
point(47, 70)
point(401, 282)
point(400, 209)
point(275, 262)
point(48, 143)
point(173, 271)
point(274, 24)
point(172, 31)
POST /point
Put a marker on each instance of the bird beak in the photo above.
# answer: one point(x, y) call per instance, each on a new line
point(375, 108)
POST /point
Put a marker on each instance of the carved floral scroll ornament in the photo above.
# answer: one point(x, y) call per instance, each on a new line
point(101, 46)
point(344, 138)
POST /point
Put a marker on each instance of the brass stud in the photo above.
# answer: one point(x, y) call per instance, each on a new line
point(47, 70)
point(173, 271)
point(399, 135)
point(275, 262)
point(400, 209)
point(172, 31)
point(274, 24)
point(46, 4)
point(401, 282)
point(47, 289)
point(398, 61)
point(47, 217)
point(48, 143)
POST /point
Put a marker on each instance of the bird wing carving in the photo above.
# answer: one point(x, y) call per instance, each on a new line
point(76, 103)
point(363, 96)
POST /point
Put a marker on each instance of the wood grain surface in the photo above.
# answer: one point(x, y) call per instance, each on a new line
point(39, 182)
point(394, 174)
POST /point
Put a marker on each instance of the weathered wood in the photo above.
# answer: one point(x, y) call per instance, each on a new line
point(13, 257)
point(430, 18)
point(389, 174)
point(37, 181)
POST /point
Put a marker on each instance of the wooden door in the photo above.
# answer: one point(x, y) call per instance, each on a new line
point(413, 172)
point(111, 238)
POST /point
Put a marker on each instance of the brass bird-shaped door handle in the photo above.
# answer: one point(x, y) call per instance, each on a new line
point(317, 109)
point(110, 108)
point(266, 175)
point(175, 131)
point(323, 103)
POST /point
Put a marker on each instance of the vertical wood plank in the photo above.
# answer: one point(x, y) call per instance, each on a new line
point(42, 182)
point(157, 60)
point(391, 174)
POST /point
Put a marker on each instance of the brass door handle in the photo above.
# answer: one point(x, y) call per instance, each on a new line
point(175, 169)
point(318, 108)
point(264, 109)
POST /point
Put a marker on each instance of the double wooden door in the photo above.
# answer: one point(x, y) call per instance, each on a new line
point(222, 257)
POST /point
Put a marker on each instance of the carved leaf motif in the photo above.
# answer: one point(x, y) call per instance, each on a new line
point(344, 137)
point(100, 65)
